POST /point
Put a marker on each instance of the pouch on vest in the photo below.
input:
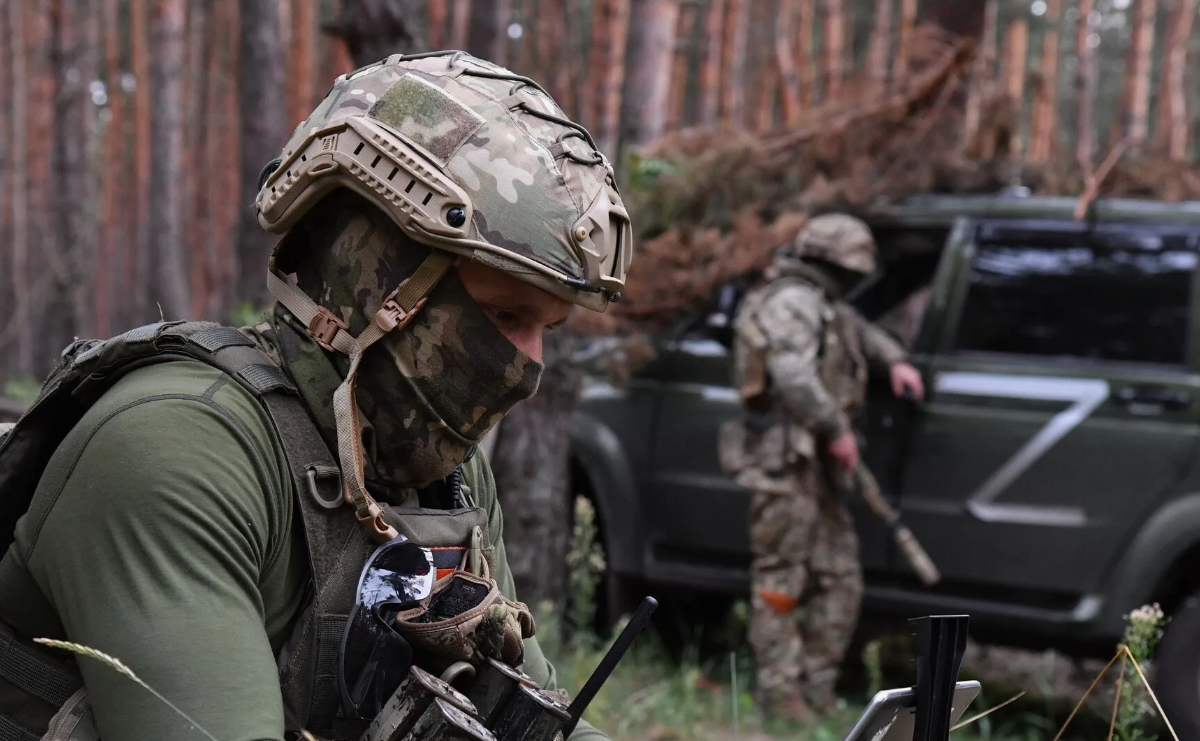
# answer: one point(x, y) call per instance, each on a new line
point(466, 619)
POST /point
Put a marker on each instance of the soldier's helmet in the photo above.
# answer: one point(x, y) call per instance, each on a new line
point(837, 238)
point(468, 157)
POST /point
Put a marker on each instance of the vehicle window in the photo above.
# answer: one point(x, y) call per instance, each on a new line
point(1079, 300)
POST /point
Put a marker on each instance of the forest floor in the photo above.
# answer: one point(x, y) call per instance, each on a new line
point(659, 695)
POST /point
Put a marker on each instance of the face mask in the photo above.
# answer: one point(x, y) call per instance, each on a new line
point(428, 392)
point(435, 389)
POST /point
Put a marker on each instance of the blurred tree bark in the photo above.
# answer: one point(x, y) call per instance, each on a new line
point(16, 328)
point(197, 167)
point(1045, 107)
point(733, 74)
point(835, 47)
point(72, 196)
point(459, 24)
point(1085, 87)
point(881, 42)
point(301, 65)
point(264, 130)
point(110, 284)
point(710, 70)
point(904, 36)
point(785, 61)
point(167, 227)
point(437, 24)
point(647, 87)
point(1016, 55)
point(487, 35)
point(7, 178)
point(43, 260)
point(959, 17)
point(806, 63)
point(1143, 67)
point(764, 73)
point(375, 29)
point(677, 115)
point(141, 309)
point(982, 84)
point(1173, 130)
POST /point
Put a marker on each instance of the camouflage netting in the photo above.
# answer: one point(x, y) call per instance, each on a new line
point(709, 206)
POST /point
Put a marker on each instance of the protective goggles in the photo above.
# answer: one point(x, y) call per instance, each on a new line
point(374, 658)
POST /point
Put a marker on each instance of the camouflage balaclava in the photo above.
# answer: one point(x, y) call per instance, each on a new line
point(454, 159)
point(427, 394)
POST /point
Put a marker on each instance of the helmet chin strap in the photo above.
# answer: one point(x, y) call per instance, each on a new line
point(331, 333)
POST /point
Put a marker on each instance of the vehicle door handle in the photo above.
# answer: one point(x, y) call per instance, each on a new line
point(1158, 397)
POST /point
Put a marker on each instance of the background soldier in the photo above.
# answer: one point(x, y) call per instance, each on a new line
point(800, 362)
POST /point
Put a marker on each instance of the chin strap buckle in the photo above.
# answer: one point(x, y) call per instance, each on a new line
point(324, 327)
point(392, 314)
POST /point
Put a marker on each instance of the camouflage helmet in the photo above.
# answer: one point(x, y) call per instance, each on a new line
point(837, 238)
point(465, 156)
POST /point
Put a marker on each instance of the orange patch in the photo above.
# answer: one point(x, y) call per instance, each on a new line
point(443, 572)
point(778, 601)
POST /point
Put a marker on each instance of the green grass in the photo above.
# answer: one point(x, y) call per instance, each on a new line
point(654, 696)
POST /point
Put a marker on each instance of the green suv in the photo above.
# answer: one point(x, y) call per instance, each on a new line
point(1051, 473)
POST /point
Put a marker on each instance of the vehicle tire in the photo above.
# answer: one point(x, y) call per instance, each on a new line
point(1177, 670)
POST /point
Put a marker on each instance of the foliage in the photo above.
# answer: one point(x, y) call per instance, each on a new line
point(585, 569)
point(22, 389)
point(1143, 631)
point(246, 315)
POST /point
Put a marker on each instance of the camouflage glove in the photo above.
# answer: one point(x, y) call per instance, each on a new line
point(466, 618)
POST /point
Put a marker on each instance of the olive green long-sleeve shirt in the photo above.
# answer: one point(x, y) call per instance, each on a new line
point(163, 534)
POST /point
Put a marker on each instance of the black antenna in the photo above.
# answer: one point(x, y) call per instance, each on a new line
point(941, 643)
point(608, 663)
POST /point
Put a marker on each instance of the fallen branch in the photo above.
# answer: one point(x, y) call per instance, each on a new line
point(931, 119)
point(1093, 183)
point(924, 87)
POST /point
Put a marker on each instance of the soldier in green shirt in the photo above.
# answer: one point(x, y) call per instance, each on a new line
point(439, 214)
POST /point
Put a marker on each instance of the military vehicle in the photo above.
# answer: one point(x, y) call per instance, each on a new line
point(1051, 472)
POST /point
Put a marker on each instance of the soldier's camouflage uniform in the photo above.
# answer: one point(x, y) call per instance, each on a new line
point(801, 362)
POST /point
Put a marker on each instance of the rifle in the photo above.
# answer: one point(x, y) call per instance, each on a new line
point(861, 482)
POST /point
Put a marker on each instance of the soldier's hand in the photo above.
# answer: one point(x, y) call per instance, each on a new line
point(904, 376)
point(844, 450)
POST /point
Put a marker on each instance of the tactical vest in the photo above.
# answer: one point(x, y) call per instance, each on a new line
point(40, 690)
point(765, 438)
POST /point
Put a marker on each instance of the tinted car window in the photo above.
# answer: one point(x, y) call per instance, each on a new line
point(1081, 299)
